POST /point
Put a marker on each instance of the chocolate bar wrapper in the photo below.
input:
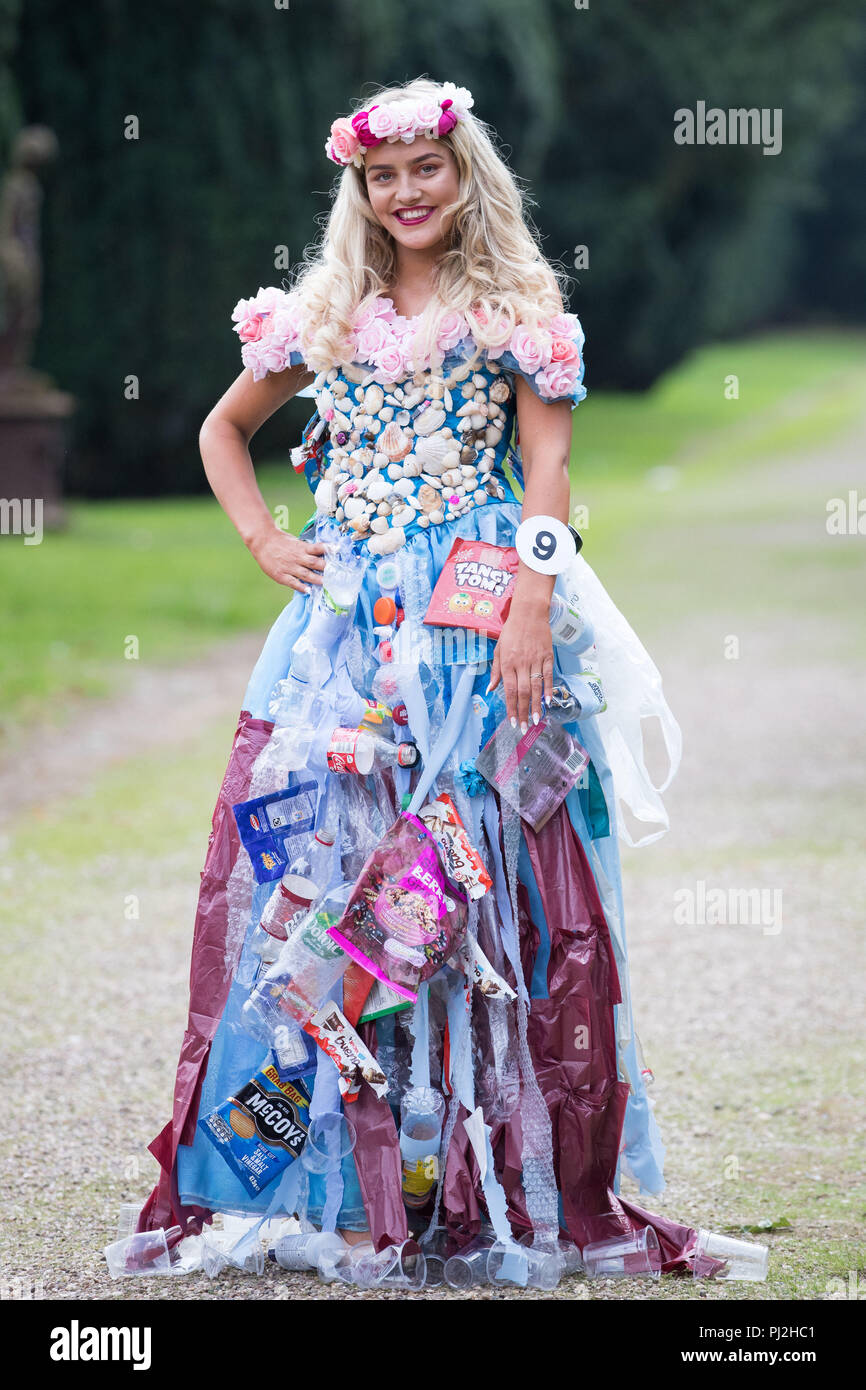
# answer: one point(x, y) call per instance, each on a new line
point(352, 1057)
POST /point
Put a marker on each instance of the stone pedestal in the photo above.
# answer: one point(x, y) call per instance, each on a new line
point(34, 419)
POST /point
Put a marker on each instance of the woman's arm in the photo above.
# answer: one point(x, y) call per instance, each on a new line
point(224, 441)
point(525, 647)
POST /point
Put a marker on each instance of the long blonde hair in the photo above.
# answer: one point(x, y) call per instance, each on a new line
point(492, 261)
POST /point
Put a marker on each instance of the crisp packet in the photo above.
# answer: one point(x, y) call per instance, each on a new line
point(351, 1055)
point(463, 863)
point(262, 1129)
point(403, 918)
point(276, 828)
point(474, 587)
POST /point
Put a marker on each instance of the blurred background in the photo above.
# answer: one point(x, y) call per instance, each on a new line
point(718, 479)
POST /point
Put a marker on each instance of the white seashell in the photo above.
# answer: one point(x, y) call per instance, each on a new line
point(448, 400)
point(402, 418)
point(377, 487)
point(353, 506)
point(390, 541)
point(339, 388)
point(423, 521)
point(380, 460)
point(412, 398)
point(359, 393)
point(468, 409)
point(339, 514)
point(479, 379)
point(386, 413)
point(347, 489)
point(340, 422)
point(324, 496)
point(358, 470)
point(394, 471)
point(325, 402)
point(385, 508)
point(500, 391)
point(437, 516)
point(467, 391)
point(478, 421)
point(374, 399)
point(332, 374)
point(492, 434)
point(332, 472)
point(374, 426)
point(451, 477)
point(468, 470)
point(379, 524)
point(432, 480)
point(403, 516)
point(479, 496)
point(485, 464)
point(389, 386)
point(360, 524)
point(411, 466)
point(404, 487)
point(430, 419)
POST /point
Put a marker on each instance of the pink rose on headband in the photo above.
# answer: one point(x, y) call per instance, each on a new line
point(427, 114)
point(452, 328)
point(383, 121)
point(343, 143)
point(556, 380)
point(531, 350)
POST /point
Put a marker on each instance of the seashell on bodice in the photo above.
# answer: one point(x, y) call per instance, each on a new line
point(399, 457)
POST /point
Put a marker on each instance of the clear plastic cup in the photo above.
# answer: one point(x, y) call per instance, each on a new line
point(218, 1252)
point(525, 1265)
point(625, 1256)
point(397, 1266)
point(330, 1137)
point(144, 1252)
point(744, 1259)
point(127, 1219)
point(566, 1251)
point(469, 1266)
point(436, 1247)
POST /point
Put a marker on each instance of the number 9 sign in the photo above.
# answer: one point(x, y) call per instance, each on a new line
point(545, 544)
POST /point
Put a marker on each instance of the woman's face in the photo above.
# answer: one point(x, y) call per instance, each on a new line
point(421, 179)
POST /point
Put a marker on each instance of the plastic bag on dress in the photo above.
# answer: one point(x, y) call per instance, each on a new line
point(633, 689)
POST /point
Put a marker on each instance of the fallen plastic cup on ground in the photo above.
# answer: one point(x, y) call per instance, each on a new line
point(437, 1247)
point(330, 1138)
point(469, 1265)
point(144, 1252)
point(566, 1251)
point(127, 1219)
point(525, 1265)
point(624, 1257)
point(219, 1252)
point(744, 1259)
point(397, 1266)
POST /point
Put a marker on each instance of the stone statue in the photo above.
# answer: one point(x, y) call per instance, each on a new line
point(20, 258)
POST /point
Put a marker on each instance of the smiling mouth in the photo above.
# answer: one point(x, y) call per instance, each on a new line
point(409, 216)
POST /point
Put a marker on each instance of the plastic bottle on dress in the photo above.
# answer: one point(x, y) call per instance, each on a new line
point(304, 973)
point(422, 1111)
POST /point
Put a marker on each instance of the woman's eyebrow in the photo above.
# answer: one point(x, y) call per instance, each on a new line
point(418, 158)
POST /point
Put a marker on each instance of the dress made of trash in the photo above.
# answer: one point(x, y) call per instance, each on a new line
point(410, 1008)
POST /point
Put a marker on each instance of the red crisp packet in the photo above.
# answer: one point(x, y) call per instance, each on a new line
point(474, 588)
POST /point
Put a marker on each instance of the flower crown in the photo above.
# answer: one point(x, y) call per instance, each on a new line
point(432, 116)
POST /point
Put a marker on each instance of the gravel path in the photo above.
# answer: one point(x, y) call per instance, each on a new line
point(752, 1029)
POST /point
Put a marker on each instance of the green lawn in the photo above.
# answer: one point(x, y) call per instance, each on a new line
point(174, 575)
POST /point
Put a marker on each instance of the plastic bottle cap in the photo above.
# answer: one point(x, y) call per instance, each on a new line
point(386, 574)
point(384, 610)
point(325, 836)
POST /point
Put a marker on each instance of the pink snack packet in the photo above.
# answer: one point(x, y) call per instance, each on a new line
point(404, 918)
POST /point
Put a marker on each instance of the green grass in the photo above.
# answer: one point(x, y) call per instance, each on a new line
point(174, 575)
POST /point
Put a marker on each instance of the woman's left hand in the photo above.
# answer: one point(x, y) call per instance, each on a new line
point(523, 662)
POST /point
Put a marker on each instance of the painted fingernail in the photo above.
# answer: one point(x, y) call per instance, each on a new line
point(536, 718)
point(489, 688)
point(523, 726)
point(513, 722)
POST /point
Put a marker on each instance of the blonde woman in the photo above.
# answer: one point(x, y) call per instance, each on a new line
point(445, 369)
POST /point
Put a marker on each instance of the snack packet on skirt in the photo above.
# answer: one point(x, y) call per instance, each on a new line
point(474, 587)
point(463, 863)
point(403, 918)
point(262, 1129)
